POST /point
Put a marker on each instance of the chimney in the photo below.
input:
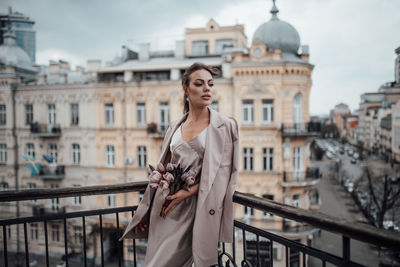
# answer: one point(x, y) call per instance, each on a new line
point(180, 49)
point(144, 51)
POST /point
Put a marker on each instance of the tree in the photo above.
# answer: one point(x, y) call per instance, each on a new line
point(386, 199)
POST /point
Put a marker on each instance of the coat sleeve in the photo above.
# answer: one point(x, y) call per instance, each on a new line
point(226, 227)
point(143, 209)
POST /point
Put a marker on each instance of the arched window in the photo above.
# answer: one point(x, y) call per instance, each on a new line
point(297, 111)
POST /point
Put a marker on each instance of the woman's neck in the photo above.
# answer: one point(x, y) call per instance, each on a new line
point(198, 115)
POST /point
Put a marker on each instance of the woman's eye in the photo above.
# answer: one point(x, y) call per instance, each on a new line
point(211, 85)
point(198, 84)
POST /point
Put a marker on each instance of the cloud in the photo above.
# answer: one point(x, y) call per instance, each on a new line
point(351, 42)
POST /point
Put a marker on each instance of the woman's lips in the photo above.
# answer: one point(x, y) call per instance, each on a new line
point(206, 97)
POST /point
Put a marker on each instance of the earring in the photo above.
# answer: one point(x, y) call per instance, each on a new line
point(187, 99)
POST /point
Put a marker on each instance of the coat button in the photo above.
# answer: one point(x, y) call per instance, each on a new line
point(212, 212)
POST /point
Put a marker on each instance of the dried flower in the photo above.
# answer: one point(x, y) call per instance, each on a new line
point(190, 180)
point(168, 177)
point(160, 167)
point(153, 185)
point(170, 167)
point(155, 177)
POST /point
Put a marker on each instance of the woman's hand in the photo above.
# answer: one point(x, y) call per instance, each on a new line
point(179, 196)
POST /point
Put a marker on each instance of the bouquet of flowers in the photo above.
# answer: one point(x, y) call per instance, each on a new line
point(170, 179)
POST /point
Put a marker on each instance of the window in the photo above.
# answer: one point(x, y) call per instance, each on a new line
point(214, 105)
point(109, 113)
point(34, 231)
point(142, 156)
point(163, 116)
point(248, 158)
point(77, 200)
point(297, 111)
point(78, 235)
point(200, 48)
point(3, 115)
point(298, 159)
point(268, 159)
point(51, 114)
point(28, 114)
point(55, 202)
point(111, 200)
point(268, 215)
point(222, 44)
point(267, 111)
point(30, 150)
point(53, 152)
point(248, 212)
point(110, 156)
point(74, 114)
point(55, 232)
point(3, 153)
point(248, 111)
point(4, 186)
point(141, 114)
point(32, 186)
point(76, 154)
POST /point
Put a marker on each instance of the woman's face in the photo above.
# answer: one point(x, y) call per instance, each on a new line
point(200, 90)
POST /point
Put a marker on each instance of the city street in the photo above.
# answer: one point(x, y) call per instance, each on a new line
point(337, 202)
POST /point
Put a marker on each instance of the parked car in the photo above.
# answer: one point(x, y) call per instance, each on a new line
point(353, 161)
point(328, 154)
point(350, 152)
point(356, 155)
point(389, 225)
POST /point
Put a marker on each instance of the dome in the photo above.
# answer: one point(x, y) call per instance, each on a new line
point(278, 34)
point(13, 55)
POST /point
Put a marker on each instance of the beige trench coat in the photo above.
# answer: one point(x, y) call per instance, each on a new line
point(219, 175)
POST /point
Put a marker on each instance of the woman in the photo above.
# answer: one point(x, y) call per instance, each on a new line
point(196, 220)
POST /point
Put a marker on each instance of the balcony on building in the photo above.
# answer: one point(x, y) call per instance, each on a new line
point(301, 130)
point(40, 210)
point(45, 130)
point(309, 177)
point(50, 172)
point(155, 131)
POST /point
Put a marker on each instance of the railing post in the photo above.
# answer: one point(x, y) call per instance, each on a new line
point(346, 250)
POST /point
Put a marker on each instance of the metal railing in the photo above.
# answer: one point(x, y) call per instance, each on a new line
point(257, 251)
point(309, 175)
point(45, 130)
point(310, 129)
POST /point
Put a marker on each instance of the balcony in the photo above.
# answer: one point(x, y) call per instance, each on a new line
point(251, 247)
point(301, 178)
point(49, 172)
point(156, 132)
point(45, 130)
point(40, 210)
point(301, 130)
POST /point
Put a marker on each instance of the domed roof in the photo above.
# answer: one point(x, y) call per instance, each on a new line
point(13, 55)
point(278, 34)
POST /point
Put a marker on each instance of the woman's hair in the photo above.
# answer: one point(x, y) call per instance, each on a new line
point(186, 79)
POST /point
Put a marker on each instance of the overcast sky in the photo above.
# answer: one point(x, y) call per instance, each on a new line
point(351, 42)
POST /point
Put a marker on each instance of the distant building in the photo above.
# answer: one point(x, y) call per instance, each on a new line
point(379, 119)
point(22, 28)
point(337, 114)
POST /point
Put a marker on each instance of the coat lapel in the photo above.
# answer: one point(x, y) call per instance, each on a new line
point(213, 153)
